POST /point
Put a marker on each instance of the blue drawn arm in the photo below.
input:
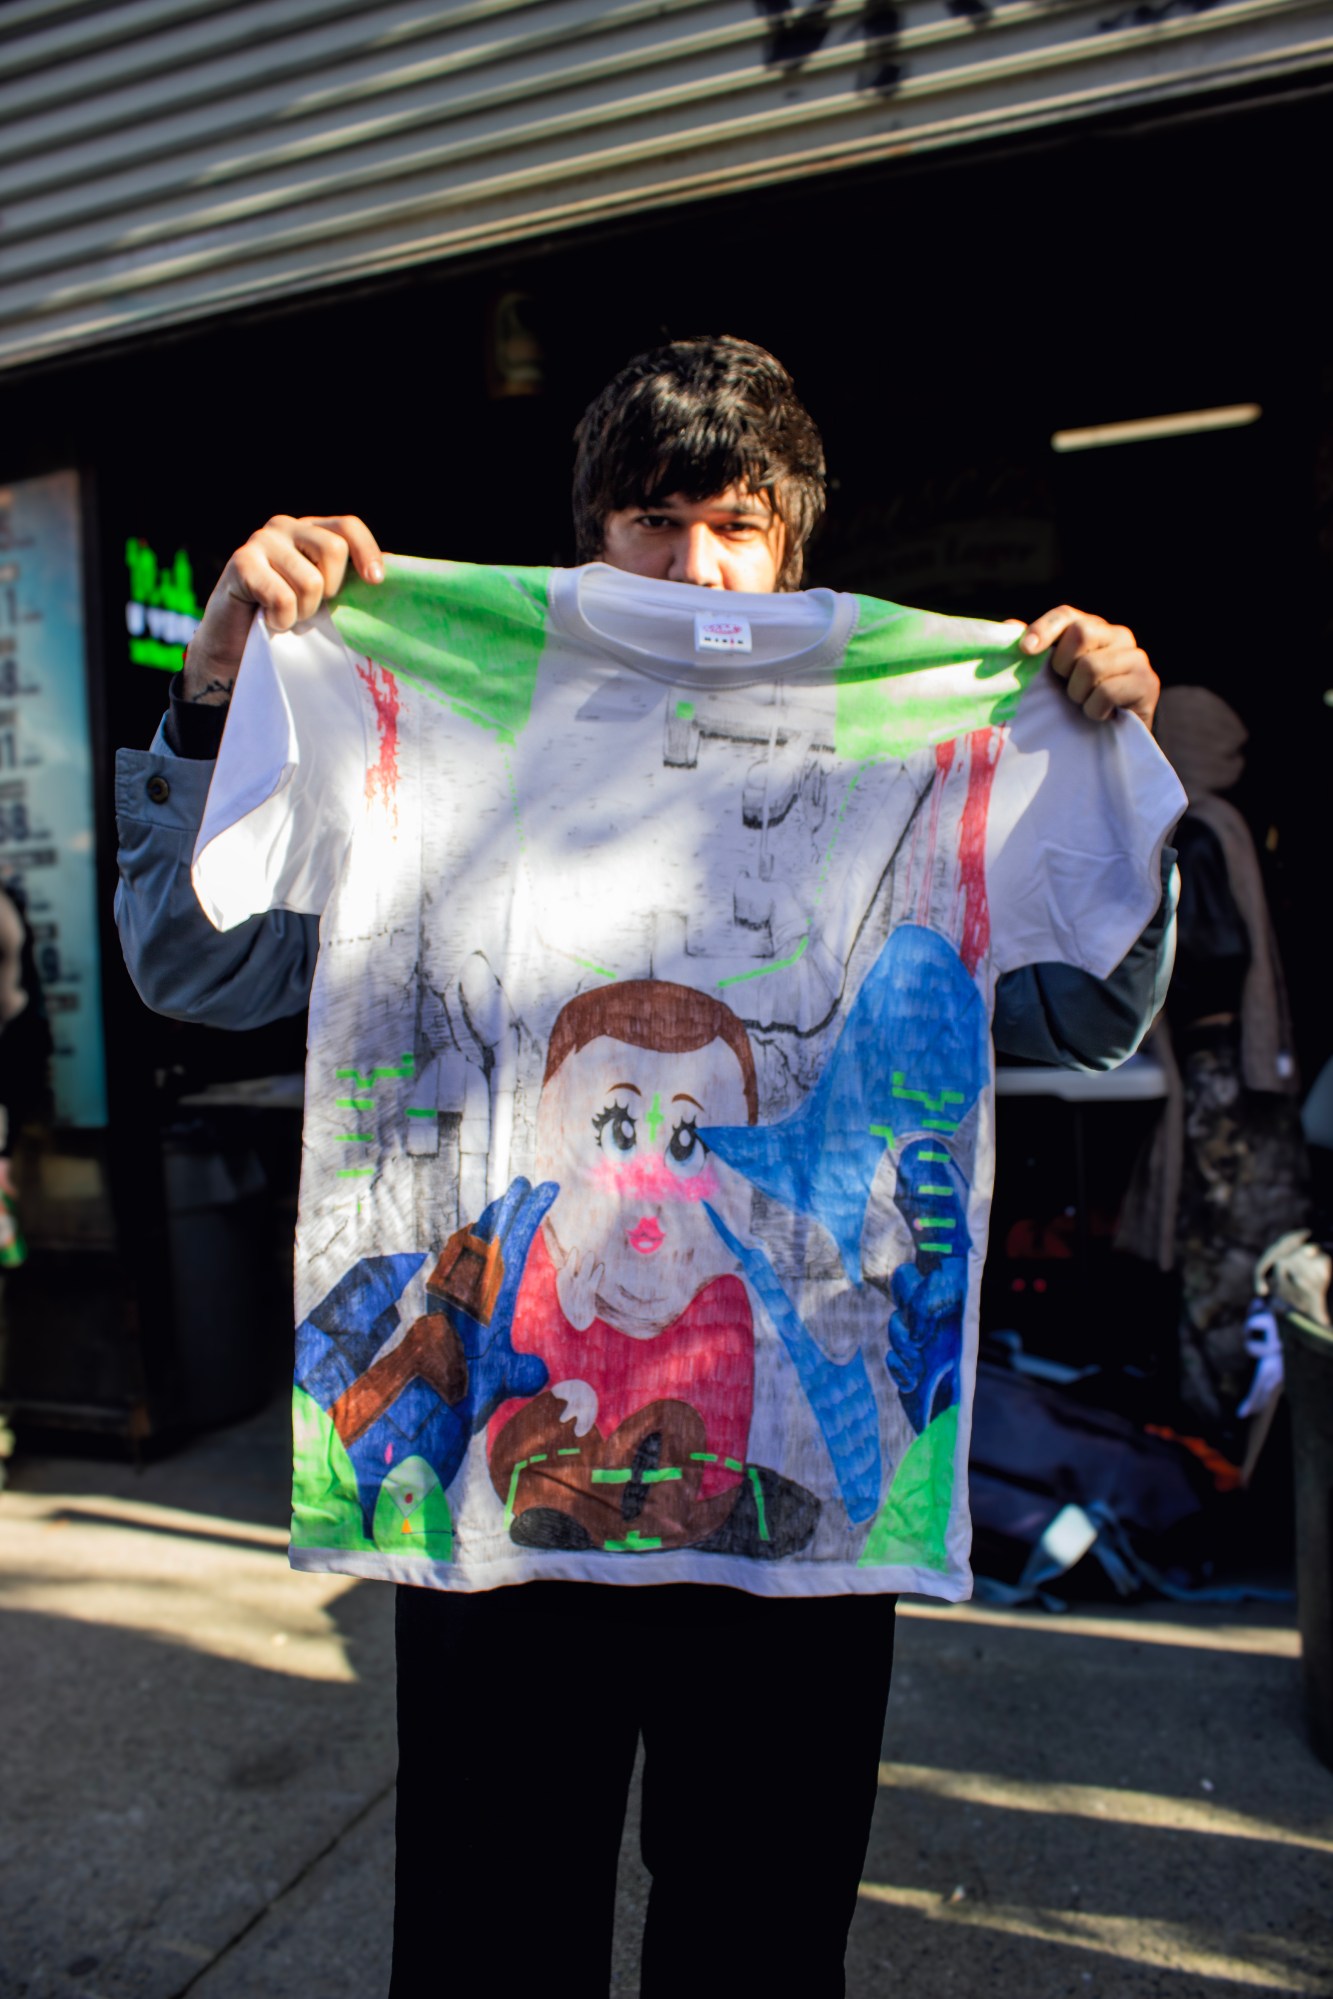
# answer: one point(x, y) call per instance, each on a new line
point(839, 1393)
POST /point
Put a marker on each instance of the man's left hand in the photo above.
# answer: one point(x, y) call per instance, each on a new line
point(1103, 666)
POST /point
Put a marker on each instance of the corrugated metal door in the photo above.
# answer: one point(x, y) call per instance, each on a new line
point(161, 159)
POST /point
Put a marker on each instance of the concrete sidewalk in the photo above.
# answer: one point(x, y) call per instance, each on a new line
point(199, 1760)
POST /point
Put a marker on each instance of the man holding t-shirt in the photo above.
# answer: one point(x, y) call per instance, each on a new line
point(520, 1708)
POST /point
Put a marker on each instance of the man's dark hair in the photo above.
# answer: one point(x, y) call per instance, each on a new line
point(695, 417)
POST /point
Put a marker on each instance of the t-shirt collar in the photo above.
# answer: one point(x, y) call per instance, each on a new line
point(794, 635)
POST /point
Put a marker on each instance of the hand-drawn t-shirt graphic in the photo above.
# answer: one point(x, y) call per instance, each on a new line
point(648, 1130)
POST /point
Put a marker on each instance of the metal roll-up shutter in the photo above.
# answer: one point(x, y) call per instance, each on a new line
point(162, 159)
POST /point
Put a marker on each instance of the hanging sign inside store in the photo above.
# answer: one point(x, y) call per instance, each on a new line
point(47, 838)
point(161, 613)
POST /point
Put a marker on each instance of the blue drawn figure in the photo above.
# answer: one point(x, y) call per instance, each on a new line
point(454, 1366)
point(839, 1392)
point(912, 1058)
point(909, 1064)
point(926, 1330)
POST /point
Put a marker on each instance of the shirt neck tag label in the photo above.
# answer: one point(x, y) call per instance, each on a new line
point(721, 633)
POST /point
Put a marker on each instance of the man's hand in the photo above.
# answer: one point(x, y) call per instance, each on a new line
point(1103, 666)
point(286, 571)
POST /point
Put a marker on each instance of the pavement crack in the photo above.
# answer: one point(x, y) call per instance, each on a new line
point(288, 1888)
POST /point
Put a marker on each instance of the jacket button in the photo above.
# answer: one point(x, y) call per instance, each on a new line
point(158, 790)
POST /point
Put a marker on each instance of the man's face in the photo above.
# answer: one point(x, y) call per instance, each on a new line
point(618, 1129)
point(733, 541)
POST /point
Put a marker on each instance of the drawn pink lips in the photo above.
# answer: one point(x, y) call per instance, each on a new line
point(646, 1236)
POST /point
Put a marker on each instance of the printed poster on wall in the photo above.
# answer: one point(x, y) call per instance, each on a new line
point(47, 846)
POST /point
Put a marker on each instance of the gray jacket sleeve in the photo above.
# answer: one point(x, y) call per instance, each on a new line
point(179, 963)
point(1061, 1018)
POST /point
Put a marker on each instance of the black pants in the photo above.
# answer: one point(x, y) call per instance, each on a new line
point(519, 1712)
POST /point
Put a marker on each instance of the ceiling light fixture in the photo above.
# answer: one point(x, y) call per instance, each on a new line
point(1138, 430)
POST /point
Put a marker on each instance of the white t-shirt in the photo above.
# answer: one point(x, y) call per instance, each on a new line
point(648, 1141)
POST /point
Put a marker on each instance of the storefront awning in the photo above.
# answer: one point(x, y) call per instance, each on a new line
point(161, 160)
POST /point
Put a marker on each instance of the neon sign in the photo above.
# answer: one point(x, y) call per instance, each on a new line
point(161, 614)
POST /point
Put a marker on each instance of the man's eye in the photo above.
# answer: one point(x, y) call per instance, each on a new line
point(617, 1120)
point(686, 1150)
point(654, 521)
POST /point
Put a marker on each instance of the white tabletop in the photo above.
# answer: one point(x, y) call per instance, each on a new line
point(1136, 1081)
point(256, 1093)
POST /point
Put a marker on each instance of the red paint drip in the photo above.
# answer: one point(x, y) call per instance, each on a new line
point(943, 765)
point(984, 750)
point(382, 776)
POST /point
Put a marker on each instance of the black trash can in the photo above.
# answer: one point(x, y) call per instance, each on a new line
point(222, 1288)
point(1308, 1360)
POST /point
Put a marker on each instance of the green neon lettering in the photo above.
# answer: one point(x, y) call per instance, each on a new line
point(937, 1222)
point(421, 1110)
point(354, 1172)
point(759, 1503)
point(653, 1118)
point(731, 1464)
point(703, 1457)
point(589, 966)
point(171, 588)
point(883, 1131)
point(940, 1124)
point(634, 1544)
point(354, 1103)
point(612, 1477)
point(569, 1451)
point(156, 652)
point(685, 711)
point(935, 1159)
point(356, 1138)
point(661, 1476)
point(934, 1190)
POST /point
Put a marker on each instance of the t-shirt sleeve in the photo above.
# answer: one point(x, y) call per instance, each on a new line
point(1078, 817)
point(288, 775)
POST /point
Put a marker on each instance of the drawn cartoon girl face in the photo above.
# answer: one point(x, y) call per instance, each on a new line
point(619, 1129)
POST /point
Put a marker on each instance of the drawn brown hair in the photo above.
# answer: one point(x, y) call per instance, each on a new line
point(652, 1013)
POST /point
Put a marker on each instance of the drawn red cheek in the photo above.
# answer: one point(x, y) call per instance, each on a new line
point(650, 1179)
point(646, 1236)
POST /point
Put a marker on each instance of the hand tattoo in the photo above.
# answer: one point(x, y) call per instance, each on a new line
point(212, 688)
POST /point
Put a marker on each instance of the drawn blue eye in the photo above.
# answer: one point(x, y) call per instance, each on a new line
point(618, 1119)
point(686, 1150)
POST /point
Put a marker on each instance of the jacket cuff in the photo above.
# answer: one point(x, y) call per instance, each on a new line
point(191, 728)
point(160, 789)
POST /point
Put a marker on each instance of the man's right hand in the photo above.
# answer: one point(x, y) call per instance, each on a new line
point(285, 570)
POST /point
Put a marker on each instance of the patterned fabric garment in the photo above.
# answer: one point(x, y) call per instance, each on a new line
point(648, 1141)
point(1243, 1184)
